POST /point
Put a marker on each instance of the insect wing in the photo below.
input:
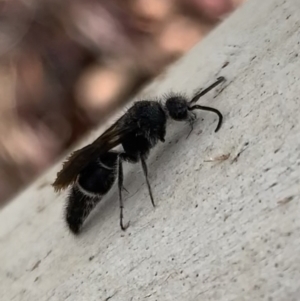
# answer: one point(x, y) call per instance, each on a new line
point(112, 137)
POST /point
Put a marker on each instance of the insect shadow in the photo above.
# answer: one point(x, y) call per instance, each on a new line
point(92, 170)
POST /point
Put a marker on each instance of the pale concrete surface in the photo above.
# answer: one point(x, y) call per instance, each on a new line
point(221, 231)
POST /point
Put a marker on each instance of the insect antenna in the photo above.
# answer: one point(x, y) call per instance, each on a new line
point(198, 107)
point(203, 92)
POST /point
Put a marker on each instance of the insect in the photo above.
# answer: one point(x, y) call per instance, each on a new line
point(93, 169)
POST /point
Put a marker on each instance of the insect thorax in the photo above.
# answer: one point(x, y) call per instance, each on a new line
point(150, 119)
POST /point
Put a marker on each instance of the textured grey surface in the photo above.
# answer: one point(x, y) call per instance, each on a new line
point(221, 230)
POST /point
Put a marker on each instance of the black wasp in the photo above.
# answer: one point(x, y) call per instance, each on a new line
point(93, 169)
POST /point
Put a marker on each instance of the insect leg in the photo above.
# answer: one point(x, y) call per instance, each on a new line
point(125, 189)
point(145, 170)
point(191, 121)
point(198, 107)
point(203, 92)
point(120, 186)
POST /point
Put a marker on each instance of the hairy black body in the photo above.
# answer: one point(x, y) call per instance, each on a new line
point(94, 181)
point(138, 131)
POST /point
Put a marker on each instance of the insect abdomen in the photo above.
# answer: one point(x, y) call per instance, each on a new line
point(99, 176)
point(93, 182)
point(78, 208)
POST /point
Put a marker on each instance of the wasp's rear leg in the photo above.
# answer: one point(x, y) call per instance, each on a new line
point(121, 187)
point(145, 170)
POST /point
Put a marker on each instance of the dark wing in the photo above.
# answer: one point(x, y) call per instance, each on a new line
point(112, 137)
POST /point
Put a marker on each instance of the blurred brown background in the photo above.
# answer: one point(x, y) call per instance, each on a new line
point(67, 64)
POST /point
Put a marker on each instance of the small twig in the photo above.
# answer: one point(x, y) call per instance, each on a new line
point(109, 297)
point(218, 158)
point(285, 200)
point(226, 216)
point(240, 152)
point(36, 265)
